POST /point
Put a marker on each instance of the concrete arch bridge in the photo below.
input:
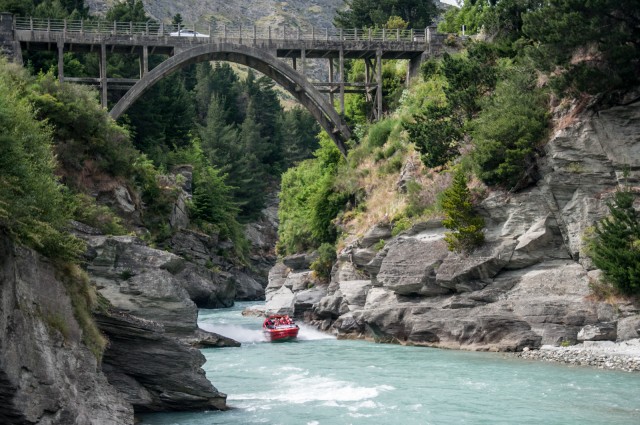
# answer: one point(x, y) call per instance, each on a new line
point(279, 52)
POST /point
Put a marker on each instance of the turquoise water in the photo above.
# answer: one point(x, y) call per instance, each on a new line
point(322, 381)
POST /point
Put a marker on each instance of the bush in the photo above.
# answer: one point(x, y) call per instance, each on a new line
point(436, 132)
point(34, 208)
point(379, 132)
point(507, 131)
point(323, 264)
point(459, 216)
point(615, 248)
point(310, 199)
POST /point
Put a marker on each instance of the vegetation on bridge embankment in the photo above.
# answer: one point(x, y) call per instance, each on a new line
point(485, 111)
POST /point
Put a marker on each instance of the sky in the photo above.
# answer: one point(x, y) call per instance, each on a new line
point(453, 2)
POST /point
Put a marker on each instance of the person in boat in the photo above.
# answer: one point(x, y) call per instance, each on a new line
point(269, 323)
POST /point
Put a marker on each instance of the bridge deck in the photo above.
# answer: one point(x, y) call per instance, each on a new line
point(80, 36)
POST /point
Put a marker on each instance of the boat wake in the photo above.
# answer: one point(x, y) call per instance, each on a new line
point(309, 333)
point(237, 332)
point(245, 334)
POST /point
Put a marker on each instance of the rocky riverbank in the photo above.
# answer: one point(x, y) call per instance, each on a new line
point(528, 286)
point(623, 355)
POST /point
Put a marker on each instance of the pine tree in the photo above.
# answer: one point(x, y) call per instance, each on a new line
point(616, 246)
point(466, 224)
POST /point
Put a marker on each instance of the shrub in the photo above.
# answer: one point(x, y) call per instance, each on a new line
point(459, 216)
point(310, 199)
point(400, 224)
point(436, 132)
point(379, 132)
point(615, 247)
point(506, 132)
point(323, 264)
point(34, 208)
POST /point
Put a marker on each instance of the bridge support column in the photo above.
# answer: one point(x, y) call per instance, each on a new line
point(144, 60)
point(413, 68)
point(331, 81)
point(61, 61)
point(103, 75)
point(303, 60)
point(341, 64)
point(379, 79)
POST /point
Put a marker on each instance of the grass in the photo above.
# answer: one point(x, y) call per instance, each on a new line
point(83, 299)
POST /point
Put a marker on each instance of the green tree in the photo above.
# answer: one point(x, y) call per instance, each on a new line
point(469, 78)
point(506, 132)
point(177, 19)
point(615, 249)
point(596, 44)
point(299, 135)
point(460, 217)
point(309, 201)
point(34, 207)
point(369, 14)
point(436, 134)
point(127, 11)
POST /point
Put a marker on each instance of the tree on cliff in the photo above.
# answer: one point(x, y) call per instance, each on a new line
point(615, 249)
point(368, 14)
point(459, 216)
point(588, 46)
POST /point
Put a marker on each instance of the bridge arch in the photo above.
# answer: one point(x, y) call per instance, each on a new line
point(267, 64)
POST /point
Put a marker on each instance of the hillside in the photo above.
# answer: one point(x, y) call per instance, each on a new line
point(296, 13)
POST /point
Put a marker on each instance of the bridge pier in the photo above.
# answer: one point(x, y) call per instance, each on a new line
point(144, 60)
point(61, 61)
point(9, 47)
point(341, 65)
point(379, 81)
point(103, 75)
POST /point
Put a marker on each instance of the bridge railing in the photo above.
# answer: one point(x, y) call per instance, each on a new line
point(222, 32)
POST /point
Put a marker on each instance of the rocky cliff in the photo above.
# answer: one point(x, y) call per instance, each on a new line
point(152, 324)
point(47, 375)
point(527, 286)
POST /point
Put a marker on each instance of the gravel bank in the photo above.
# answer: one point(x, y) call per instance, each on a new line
point(623, 355)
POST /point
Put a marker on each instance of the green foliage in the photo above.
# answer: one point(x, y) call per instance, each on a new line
point(299, 135)
point(501, 20)
point(615, 247)
point(82, 132)
point(380, 131)
point(595, 44)
point(213, 203)
point(309, 201)
point(84, 300)
point(379, 245)
point(368, 14)
point(127, 11)
point(400, 224)
point(86, 210)
point(436, 132)
point(506, 132)
point(34, 208)
point(469, 78)
point(55, 9)
point(323, 264)
point(459, 216)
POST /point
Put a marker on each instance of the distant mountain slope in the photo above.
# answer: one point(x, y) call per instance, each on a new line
point(317, 13)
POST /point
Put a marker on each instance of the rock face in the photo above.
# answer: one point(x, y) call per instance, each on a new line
point(154, 371)
point(47, 376)
point(528, 285)
point(153, 326)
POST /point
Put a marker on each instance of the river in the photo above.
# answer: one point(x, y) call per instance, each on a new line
point(319, 380)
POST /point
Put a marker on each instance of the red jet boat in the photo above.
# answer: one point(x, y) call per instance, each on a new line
point(279, 327)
